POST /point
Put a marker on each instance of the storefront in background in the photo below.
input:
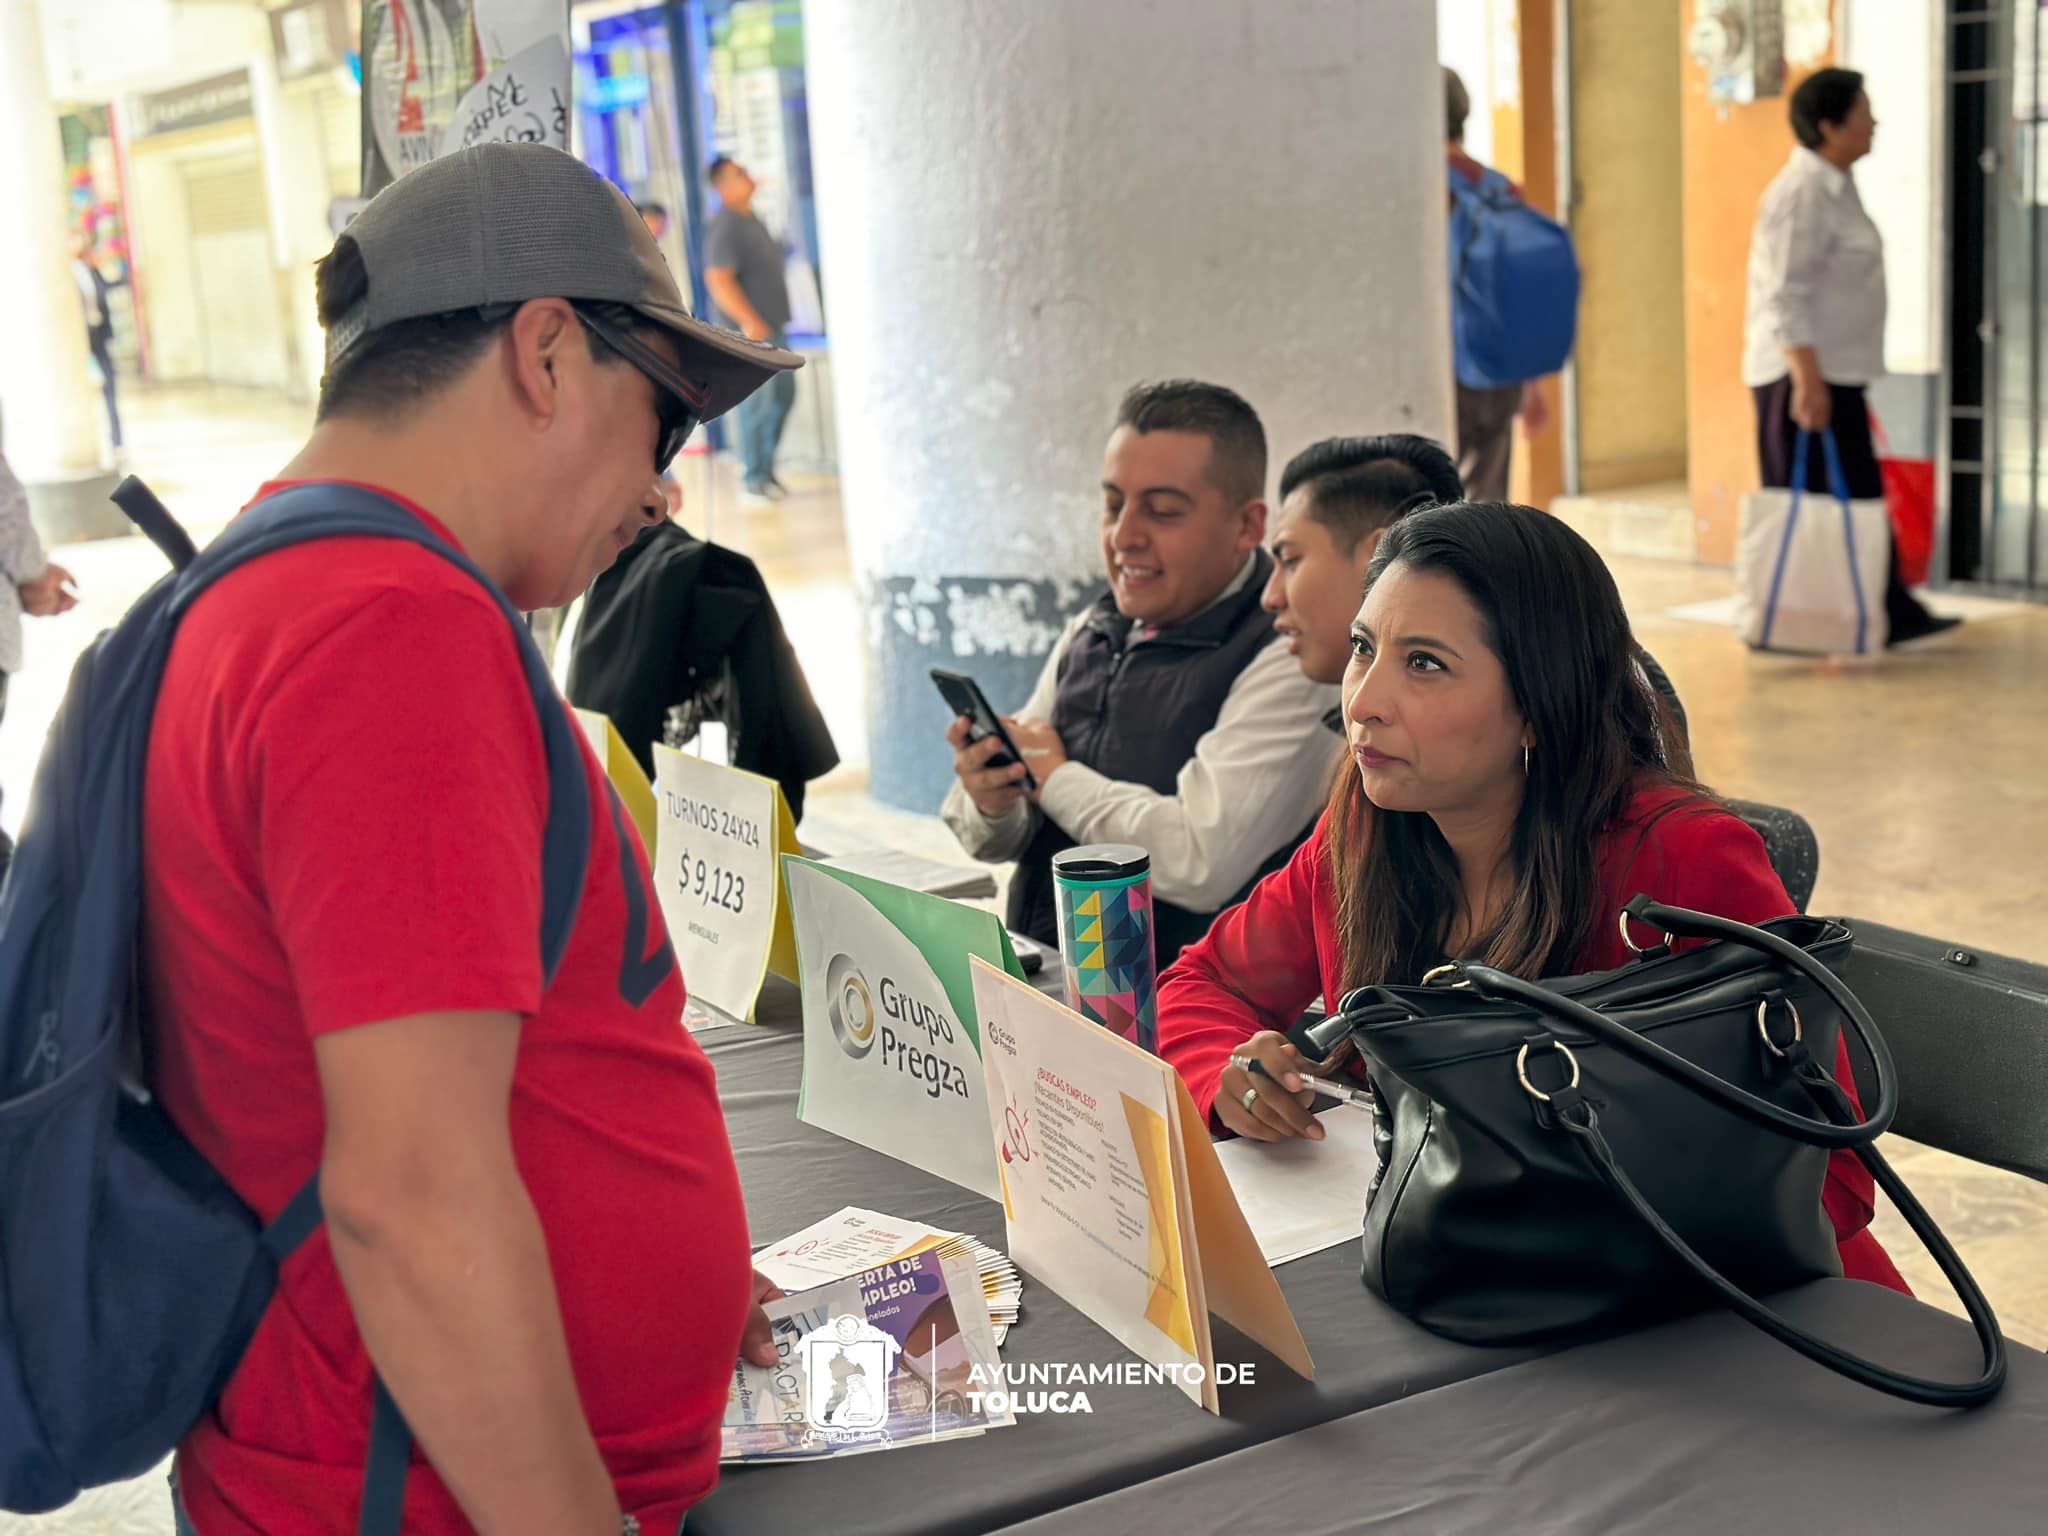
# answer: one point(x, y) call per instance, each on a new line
point(210, 295)
point(660, 90)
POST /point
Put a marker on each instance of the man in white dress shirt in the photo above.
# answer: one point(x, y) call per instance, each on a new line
point(1170, 714)
point(1815, 328)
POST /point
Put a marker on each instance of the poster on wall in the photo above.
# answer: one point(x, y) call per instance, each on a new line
point(1809, 32)
point(442, 75)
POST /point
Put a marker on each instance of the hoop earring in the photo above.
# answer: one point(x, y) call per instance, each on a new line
point(1525, 762)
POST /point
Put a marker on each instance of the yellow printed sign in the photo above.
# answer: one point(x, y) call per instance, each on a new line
point(623, 769)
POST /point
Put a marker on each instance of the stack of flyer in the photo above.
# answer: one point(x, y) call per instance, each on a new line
point(957, 882)
point(888, 1357)
point(855, 1240)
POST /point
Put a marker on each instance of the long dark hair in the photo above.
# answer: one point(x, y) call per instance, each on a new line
point(1550, 611)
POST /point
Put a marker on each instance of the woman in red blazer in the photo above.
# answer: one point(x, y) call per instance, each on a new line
point(1508, 790)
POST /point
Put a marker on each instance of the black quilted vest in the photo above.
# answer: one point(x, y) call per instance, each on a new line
point(1133, 712)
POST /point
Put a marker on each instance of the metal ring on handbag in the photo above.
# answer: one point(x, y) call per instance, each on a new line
point(1763, 1026)
point(1633, 947)
point(1522, 1068)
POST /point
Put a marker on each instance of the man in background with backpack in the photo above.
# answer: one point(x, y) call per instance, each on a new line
point(533, 1233)
point(1514, 304)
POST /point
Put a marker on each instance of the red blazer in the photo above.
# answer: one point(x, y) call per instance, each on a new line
point(1265, 960)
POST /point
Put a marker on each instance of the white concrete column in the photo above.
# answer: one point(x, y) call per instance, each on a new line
point(296, 189)
point(47, 393)
point(1024, 209)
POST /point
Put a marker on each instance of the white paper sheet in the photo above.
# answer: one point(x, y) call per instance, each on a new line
point(1303, 1196)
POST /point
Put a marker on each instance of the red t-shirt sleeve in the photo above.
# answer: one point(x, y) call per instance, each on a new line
point(1255, 969)
point(400, 788)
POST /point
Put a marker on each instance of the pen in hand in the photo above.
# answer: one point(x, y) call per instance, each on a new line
point(1343, 1093)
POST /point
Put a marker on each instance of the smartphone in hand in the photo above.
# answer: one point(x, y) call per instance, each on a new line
point(964, 697)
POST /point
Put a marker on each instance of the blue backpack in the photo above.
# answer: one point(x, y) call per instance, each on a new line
point(131, 1276)
point(1514, 286)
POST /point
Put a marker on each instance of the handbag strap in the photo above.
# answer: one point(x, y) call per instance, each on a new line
point(1831, 456)
point(1838, 482)
point(1575, 1113)
point(1681, 922)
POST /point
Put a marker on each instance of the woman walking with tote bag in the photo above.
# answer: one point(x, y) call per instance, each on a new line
point(1814, 337)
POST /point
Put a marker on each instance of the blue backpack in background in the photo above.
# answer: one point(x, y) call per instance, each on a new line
point(131, 1275)
point(1514, 286)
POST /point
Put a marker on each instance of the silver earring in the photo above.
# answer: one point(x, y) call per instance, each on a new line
point(1525, 762)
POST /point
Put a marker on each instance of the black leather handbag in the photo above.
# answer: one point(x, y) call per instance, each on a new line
point(1596, 1152)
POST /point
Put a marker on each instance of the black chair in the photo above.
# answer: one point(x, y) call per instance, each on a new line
point(1660, 680)
point(1788, 839)
point(1968, 1032)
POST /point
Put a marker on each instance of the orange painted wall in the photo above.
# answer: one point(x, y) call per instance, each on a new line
point(1731, 154)
point(1525, 151)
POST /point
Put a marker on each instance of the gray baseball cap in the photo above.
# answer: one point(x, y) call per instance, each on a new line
point(504, 223)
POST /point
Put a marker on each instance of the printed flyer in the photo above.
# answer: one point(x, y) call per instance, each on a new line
point(879, 1359)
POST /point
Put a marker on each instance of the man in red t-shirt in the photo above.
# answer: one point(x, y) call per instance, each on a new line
point(534, 1233)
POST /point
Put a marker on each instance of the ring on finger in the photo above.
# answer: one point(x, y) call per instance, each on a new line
point(1251, 1096)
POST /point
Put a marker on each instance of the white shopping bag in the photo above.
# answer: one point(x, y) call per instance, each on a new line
point(1810, 569)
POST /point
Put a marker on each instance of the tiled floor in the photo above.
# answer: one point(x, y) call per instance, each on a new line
point(1922, 775)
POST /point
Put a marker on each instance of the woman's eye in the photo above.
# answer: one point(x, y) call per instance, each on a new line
point(1361, 647)
point(1422, 661)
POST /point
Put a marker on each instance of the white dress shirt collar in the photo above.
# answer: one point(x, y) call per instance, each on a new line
point(1812, 163)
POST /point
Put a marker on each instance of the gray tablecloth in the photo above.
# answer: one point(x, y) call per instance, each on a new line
point(1701, 1428)
point(793, 1175)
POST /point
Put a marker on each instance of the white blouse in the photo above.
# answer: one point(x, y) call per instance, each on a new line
point(1816, 277)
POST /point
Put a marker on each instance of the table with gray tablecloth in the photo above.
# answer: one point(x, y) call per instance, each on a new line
point(1699, 1428)
point(794, 1175)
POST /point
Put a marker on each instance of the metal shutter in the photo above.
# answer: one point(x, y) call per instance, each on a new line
point(224, 197)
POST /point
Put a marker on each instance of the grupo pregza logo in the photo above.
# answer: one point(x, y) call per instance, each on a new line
point(911, 1031)
point(852, 1007)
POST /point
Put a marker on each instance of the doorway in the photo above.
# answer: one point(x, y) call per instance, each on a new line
point(1995, 531)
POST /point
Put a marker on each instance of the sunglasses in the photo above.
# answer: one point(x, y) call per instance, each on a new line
point(678, 402)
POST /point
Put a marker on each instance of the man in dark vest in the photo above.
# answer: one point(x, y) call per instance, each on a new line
point(1169, 714)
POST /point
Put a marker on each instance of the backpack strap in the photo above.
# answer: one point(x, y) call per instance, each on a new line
point(1491, 189)
point(295, 1223)
point(383, 1505)
point(328, 511)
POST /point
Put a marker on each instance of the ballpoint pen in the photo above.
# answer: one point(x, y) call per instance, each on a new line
point(1343, 1093)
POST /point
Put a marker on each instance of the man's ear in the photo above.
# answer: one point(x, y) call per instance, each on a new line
point(1367, 548)
point(1252, 533)
point(538, 335)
